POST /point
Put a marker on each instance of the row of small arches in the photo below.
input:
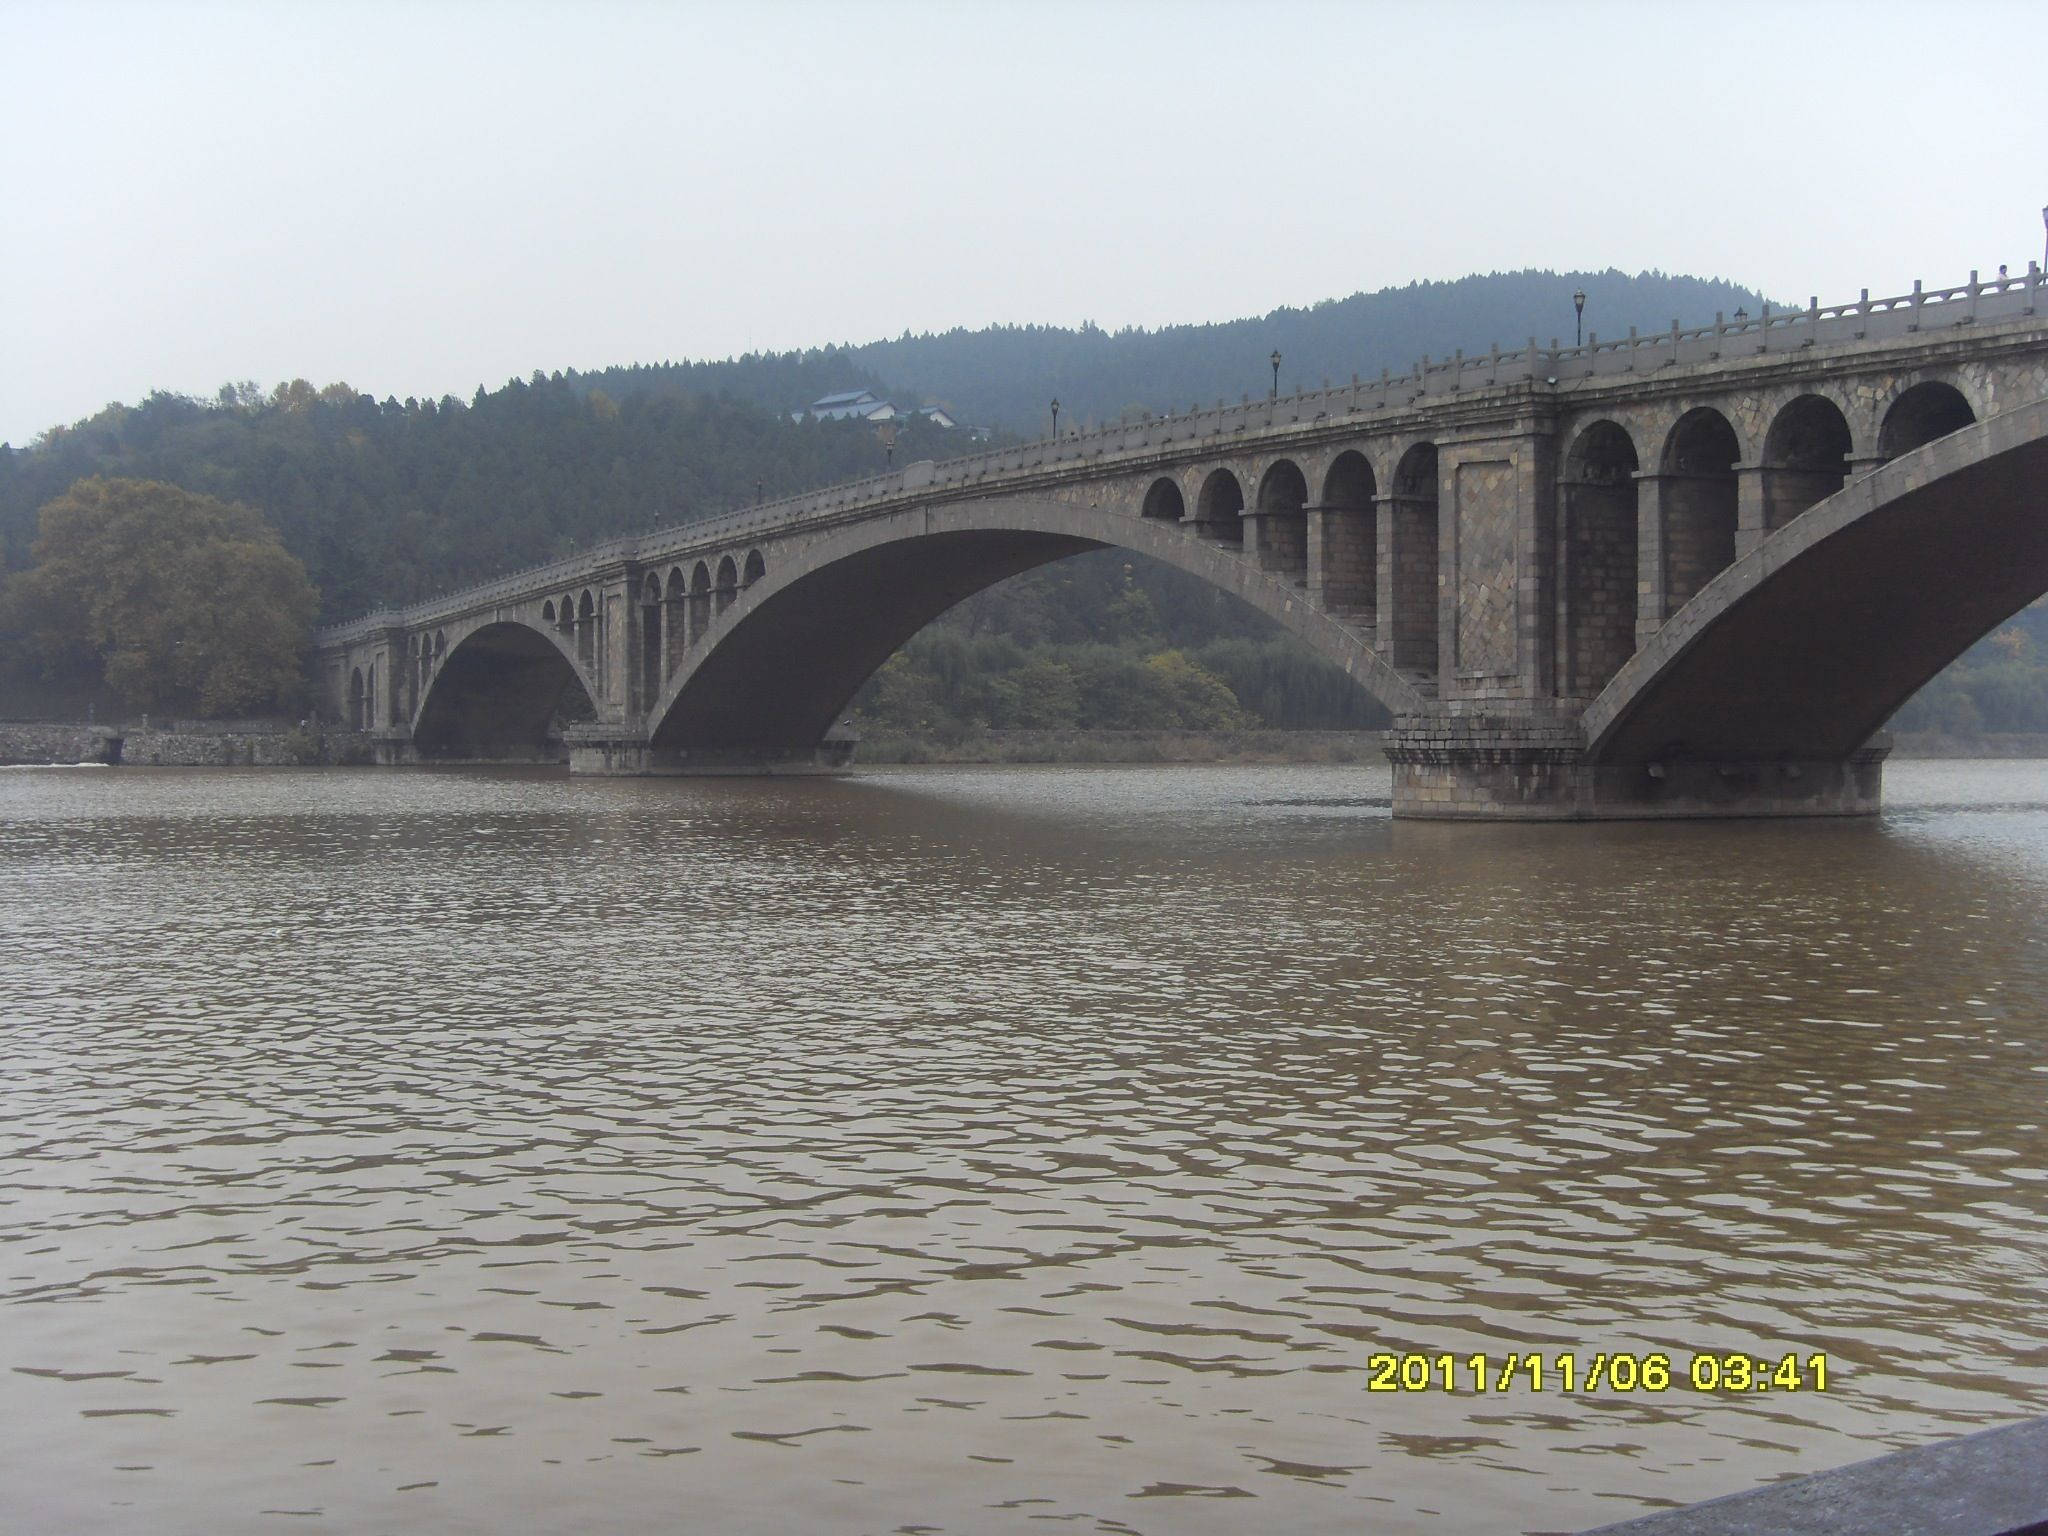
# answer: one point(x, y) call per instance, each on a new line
point(1806, 455)
point(675, 615)
point(1808, 433)
point(574, 611)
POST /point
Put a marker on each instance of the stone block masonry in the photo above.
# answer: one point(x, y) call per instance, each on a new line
point(27, 745)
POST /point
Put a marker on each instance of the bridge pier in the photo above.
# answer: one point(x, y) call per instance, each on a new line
point(391, 746)
point(1500, 768)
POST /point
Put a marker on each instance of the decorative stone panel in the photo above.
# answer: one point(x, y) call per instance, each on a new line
point(1487, 507)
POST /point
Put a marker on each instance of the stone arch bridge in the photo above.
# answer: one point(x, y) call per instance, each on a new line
point(1684, 574)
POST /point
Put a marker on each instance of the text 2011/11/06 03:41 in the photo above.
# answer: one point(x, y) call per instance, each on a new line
point(1570, 1372)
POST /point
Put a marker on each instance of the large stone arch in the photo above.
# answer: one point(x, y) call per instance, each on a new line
point(1801, 650)
point(777, 669)
point(499, 693)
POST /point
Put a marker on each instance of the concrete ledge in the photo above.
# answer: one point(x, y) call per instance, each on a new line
point(1994, 1483)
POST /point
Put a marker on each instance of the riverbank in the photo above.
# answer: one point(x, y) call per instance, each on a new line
point(182, 744)
point(283, 744)
point(1934, 744)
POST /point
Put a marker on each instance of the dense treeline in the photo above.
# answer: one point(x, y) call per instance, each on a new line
point(1998, 685)
point(162, 598)
point(1107, 641)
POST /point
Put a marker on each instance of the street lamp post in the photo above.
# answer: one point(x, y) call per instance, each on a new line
point(2044, 239)
point(1275, 361)
point(1579, 323)
point(1055, 416)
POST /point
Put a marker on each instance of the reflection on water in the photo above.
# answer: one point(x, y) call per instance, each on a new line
point(992, 1150)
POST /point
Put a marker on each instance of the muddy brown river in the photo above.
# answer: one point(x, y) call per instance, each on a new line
point(988, 1151)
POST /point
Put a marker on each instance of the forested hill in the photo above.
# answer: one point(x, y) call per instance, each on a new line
point(393, 501)
point(1006, 375)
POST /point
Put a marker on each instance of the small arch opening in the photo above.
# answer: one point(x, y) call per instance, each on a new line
point(652, 658)
point(728, 584)
point(1923, 413)
point(1597, 554)
point(1699, 505)
point(1219, 508)
point(700, 601)
point(1806, 458)
point(1164, 502)
point(756, 568)
point(1344, 571)
point(1413, 596)
point(675, 622)
point(1282, 519)
point(586, 632)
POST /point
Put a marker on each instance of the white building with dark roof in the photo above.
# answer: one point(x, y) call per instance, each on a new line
point(864, 405)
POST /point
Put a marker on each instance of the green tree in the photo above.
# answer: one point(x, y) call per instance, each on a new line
point(1203, 700)
point(177, 599)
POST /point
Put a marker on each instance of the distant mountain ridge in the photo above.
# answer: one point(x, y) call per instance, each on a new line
point(1007, 376)
point(388, 501)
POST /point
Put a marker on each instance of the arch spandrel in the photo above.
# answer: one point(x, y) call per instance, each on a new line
point(1805, 646)
point(495, 689)
point(832, 614)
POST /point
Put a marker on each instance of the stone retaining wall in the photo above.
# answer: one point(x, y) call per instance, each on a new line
point(258, 747)
point(54, 743)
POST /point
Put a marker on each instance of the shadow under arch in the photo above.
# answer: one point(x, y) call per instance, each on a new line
point(1804, 647)
point(500, 696)
point(781, 664)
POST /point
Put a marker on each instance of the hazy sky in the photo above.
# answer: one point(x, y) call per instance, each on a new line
point(422, 197)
